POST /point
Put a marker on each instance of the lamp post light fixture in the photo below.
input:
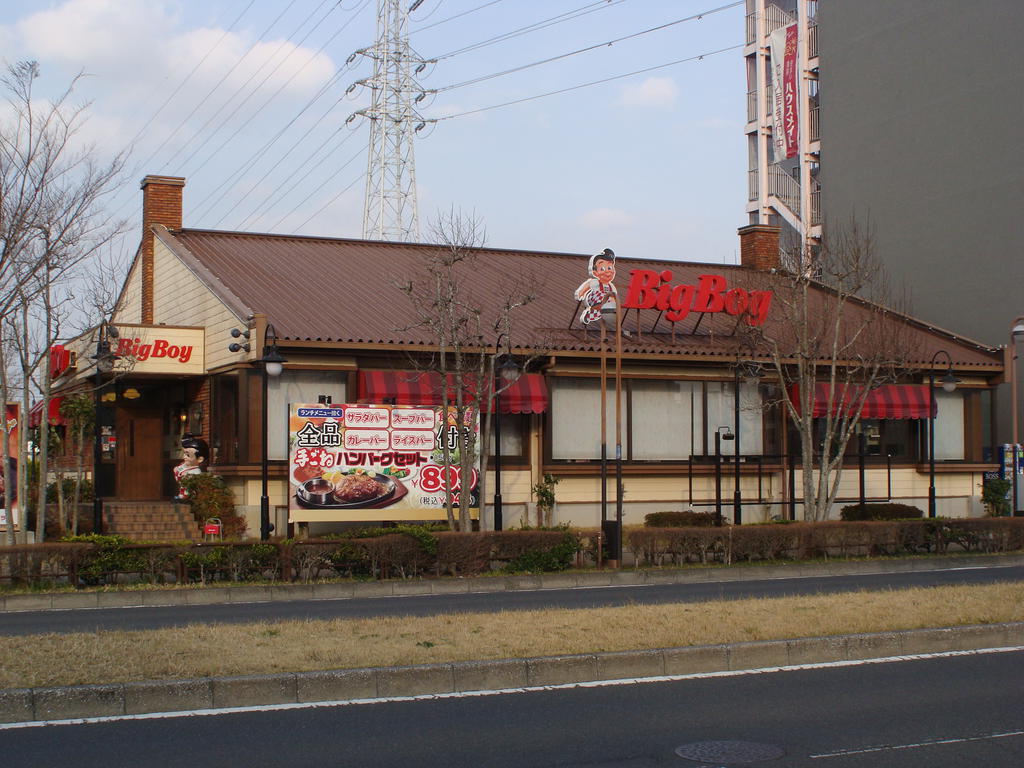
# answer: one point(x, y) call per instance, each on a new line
point(1016, 334)
point(508, 371)
point(719, 437)
point(272, 363)
point(105, 359)
point(948, 385)
point(752, 373)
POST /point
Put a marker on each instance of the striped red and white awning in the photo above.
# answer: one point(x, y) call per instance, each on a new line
point(527, 394)
point(889, 401)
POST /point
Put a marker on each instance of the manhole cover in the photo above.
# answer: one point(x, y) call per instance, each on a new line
point(729, 752)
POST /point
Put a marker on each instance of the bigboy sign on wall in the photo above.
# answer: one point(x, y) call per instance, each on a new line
point(379, 462)
point(160, 349)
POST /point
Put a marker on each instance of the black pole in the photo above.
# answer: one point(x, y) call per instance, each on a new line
point(737, 502)
point(931, 443)
point(264, 498)
point(861, 449)
point(792, 487)
point(97, 452)
point(498, 516)
point(718, 478)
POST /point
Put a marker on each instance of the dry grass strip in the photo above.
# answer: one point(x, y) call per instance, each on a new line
point(293, 646)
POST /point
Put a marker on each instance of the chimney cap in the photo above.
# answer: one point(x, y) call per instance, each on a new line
point(168, 181)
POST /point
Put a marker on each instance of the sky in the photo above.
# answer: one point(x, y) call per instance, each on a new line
point(249, 101)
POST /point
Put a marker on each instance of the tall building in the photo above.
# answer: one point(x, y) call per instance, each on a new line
point(917, 133)
point(783, 188)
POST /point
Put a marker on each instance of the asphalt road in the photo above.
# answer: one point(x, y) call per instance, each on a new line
point(85, 620)
point(947, 712)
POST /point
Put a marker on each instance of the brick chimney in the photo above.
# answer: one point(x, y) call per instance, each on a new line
point(759, 247)
point(161, 204)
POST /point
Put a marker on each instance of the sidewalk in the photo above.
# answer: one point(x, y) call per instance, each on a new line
point(74, 702)
point(63, 601)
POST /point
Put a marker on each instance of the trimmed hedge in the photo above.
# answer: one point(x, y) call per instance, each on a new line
point(797, 541)
point(880, 511)
point(402, 552)
point(684, 519)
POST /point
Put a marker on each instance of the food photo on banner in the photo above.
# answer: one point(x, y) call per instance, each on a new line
point(379, 462)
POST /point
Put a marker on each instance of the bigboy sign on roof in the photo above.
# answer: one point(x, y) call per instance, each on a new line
point(649, 289)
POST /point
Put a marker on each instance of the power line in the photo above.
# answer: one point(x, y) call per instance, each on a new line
point(456, 16)
point(322, 185)
point(247, 165)
point(181, 85)
point(607, 43)
point(215, 87)
point(698, 57)
point(270, 200)
point(292, 148)
point(544, 24)
point(297, 46)
point(320, 210)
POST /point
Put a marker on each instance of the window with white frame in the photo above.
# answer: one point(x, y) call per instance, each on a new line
point(662, 419)
point(722, 413)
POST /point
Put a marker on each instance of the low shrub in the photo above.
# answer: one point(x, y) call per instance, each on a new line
point(682, 519)
point(881, 511)
point(209, 496)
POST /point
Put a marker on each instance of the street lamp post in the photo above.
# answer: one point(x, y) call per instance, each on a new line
point(948, 385)
point(719, 437)
point(508, 371)
point(104, 358)
point(1016, 334)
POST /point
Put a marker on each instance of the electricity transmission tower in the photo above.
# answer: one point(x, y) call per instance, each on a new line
point(389, 208)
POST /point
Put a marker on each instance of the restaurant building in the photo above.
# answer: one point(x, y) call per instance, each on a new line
point(198, 309)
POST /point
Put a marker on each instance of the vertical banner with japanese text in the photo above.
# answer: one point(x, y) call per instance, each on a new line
point(379, 462)
point(785, 124)
point(8, 501)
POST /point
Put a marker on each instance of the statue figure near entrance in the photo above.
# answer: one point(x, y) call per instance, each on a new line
point(195, 453)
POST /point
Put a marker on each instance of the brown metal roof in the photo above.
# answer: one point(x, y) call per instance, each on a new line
point(346, 291)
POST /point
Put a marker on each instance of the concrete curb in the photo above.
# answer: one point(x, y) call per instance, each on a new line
point(23, 705)
point(399, 588)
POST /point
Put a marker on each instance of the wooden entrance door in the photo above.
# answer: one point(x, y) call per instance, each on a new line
point(139, 452)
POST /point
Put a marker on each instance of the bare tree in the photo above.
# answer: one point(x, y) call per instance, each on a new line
point(835, 322)
point(52, 221)
point(464, 362)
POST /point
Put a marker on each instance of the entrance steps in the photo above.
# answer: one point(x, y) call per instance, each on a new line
point(150, 521)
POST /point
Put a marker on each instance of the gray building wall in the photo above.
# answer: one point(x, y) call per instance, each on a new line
point(922, 121)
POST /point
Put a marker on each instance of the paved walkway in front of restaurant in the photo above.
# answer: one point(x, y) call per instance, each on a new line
point(27, 705)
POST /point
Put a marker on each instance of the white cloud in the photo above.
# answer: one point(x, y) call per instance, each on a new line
point(654, 92)
point(126, 42)
point(605, 219)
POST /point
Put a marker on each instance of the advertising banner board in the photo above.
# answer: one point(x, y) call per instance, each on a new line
point(378, 462)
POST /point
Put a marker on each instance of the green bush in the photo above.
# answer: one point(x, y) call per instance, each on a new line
point(552, 555)
point(684, 519)
point(209, 496)
point(109, 557)
point(69, 490)
point(886, 511)
point(993, 495)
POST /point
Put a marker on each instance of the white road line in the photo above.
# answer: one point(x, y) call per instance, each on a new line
point(917, 745)
point(504, 691)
